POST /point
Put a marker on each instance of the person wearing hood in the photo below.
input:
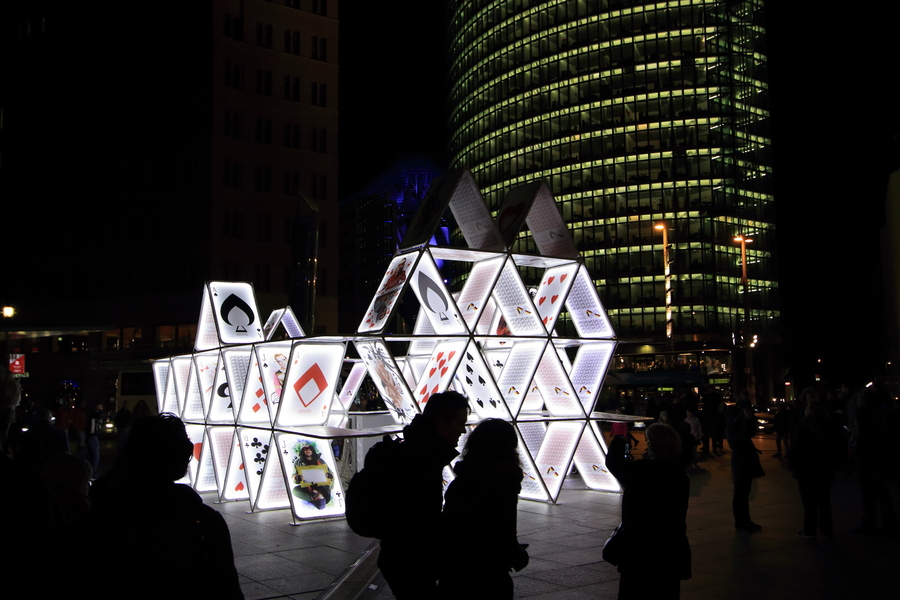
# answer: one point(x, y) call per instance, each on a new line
point(408, 556)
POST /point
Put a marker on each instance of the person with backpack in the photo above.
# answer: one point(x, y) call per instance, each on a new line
point(411, 542)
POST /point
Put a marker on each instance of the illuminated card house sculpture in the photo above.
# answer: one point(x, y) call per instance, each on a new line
point(260, 411)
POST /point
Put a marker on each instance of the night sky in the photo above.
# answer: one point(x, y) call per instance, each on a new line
point(834, 115)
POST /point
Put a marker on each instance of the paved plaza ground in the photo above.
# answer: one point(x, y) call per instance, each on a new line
point(325, 560)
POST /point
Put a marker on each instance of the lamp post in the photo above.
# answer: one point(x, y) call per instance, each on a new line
point(748, 345)
point(667, 271)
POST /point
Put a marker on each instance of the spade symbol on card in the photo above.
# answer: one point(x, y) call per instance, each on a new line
point(236, 313)
point(433, 296)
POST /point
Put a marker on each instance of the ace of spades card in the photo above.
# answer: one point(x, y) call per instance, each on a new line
point(437, 304)
point(236, 317)
point(477, 384)
point(440, 369)
point(310, 384)
point(552, 293)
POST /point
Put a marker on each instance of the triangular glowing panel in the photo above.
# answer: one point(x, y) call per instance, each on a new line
point(235, 487)
point(248, 398)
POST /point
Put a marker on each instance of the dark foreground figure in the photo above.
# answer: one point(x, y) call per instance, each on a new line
point(482, 501)
point(156, 538)
point(410, 553)
point(654, 517)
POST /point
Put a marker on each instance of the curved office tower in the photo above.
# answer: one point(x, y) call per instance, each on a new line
point(636, 114)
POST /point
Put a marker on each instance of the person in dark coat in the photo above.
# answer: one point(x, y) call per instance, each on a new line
point(745, 465)
point(871, 441)
point(482, 501)
point(813, 459)
point(407, 558)
point(157, 538)
point(654, 517)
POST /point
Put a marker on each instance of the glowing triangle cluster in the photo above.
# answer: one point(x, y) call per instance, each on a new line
point(525, 338)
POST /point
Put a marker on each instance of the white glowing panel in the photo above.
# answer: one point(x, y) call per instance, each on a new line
point(338, 419)
point(205, 480)
point(533, 402)
point(440, 370)
point(351, 385)
point(424, 342)
point(254, 404)
point(207, 363)
point(181, 369)
point(286, 318)
point(196, 434)
point(220, 441)
point(585, 309)
point(519, 315)
point(530, 437)
point(516, 376)
point(193, 405)
point(556, 389)
point(272, 491)
point(309, 388)
point(255, 445)
point(589, 369)
point(273, 366)
point(414, 366)
point(237, 366)
point(221, 407)
point(437, 303)
point(472, 216)
point(548, 229)
point(555, 456)
point(476, 382)
point(235, 487)
point(552, 293)
point(475, 293)
point(310, 471)
point(391, 285)
point(590, 459)
point(231, 306)
point(388, 379)
point(160, 376)
point(485, 325)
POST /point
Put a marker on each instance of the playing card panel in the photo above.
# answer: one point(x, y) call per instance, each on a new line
point(424, 343)
point(171, 396)
point(338, 419)
point(309, 389)
point(254, 404)
point(196, 434)
point(439, 371)
point(515, 304)
point(388, 379)
point(556, 389)
point(432, 209)
point(473, 218)
point(315, 488)
point(351, 385)
point(590, 459)
point(193, 405)
point(552, 292)
point(273, 492)
point(555, 456)
point(513, 211)
point(382, 304)
point(206, 471)
point(254, 451)
point(589, 369)
point(477, 289)
point(237, 367)
point(489, 318)
point(436, 302)
point(273, 360)
point(207, 335)
point(533, 401)
point(291, 324)
point(160, 377)
point(181, 370)
point(272, 323)
point(207, 365)
point(550, 233)
point(531, 435)
point(414, 366)
point(516, 376)
point(586, 310)
point(235, 474)
point(476, 381)
point(236, 314)
point(220, 439)
point(221, 409)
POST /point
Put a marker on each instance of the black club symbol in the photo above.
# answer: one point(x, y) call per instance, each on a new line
point(256, 443)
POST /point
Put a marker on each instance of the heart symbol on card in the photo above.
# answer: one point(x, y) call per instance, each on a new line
point(431, 372)
point(563, 277)
point(444, 371)
point(554, 299)
point(442, 363)
point(451, 355)
point(549, 281)
point(541, 300)
point(239, 487)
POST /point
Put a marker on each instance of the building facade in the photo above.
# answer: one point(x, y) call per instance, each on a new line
point(640, 116)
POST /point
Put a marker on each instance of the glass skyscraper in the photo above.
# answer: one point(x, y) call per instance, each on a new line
point(637, 115)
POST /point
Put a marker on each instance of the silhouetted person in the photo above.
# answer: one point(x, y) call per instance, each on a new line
point(482, 501)
point(41, 442)
point(654, 517)
point(745, 465)
point(159, 540)
point(122, 421)
point(872, 444)
point(814, 457)
point(409, 557)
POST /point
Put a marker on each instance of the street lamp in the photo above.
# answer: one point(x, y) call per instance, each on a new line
point(664, 227)
point(748, 369)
